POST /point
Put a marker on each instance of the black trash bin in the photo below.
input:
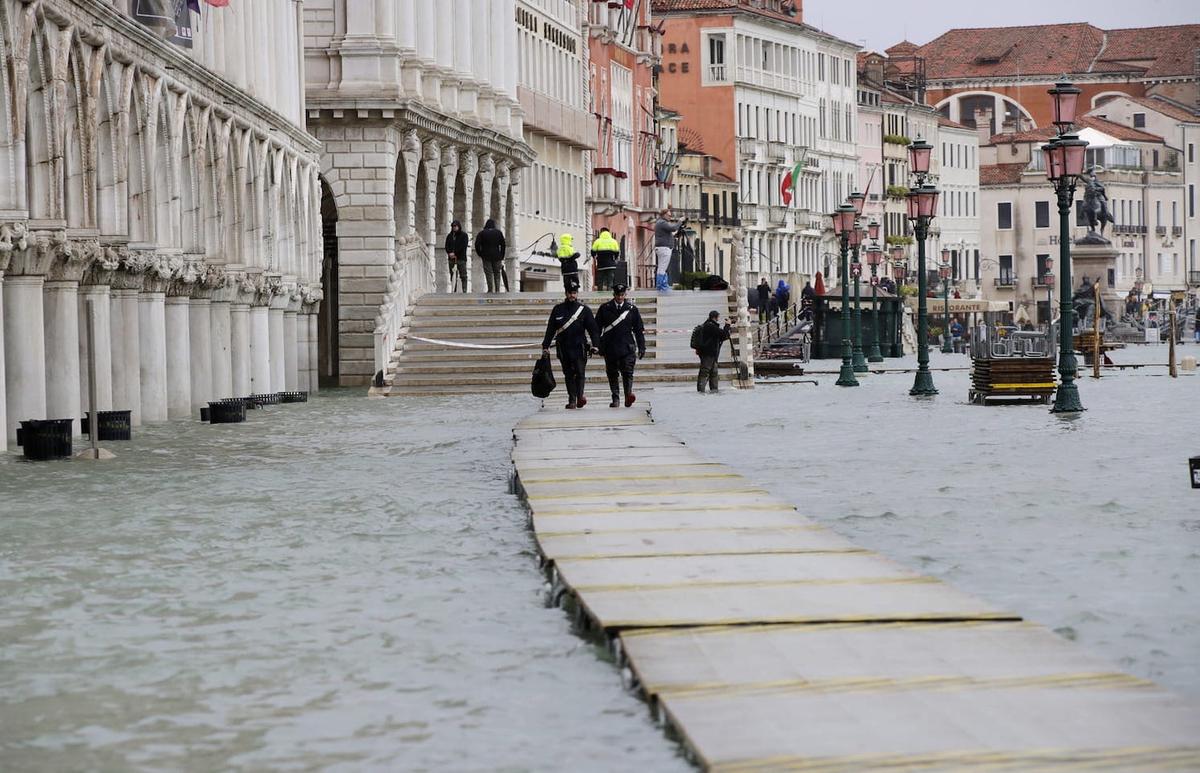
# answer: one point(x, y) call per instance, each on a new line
point(42, 439)
point(269, 398)
point(293, 397)
point(112, 425)
point(225, 412)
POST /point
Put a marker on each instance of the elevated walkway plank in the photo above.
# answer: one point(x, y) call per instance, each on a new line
point(770, 643)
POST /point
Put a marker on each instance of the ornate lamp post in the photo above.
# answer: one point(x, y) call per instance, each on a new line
point(874, 258)
point(859, 362)
point(944, 273)
point(899, 272)
point(922, 206)
point(843, 226)
point(1064, 157)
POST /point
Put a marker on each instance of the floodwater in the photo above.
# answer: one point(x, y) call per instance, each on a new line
point(1087, 525)
point(340, 585)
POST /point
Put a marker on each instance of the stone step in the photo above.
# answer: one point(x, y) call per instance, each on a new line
point(486, 383)
point(508, 368)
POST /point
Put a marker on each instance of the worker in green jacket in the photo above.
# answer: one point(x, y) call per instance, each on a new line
point(605, 250)
point(568, 258)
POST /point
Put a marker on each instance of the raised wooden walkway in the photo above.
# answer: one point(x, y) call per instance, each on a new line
point(764, 641)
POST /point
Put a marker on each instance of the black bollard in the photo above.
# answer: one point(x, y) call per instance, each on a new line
point(293, 397)
point(226, 412)
point(1194, 467)
point(44, 439)
point(112, 425)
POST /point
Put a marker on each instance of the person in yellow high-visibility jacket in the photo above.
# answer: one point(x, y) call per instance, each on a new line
point(568, 257)
point(606, 251)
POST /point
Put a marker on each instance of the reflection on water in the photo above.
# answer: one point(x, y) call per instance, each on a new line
point(1088, 527)
point(338, 584)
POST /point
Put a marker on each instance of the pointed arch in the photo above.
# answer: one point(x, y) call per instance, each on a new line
point(138, 109)
point(40, 129)
point(12, 172)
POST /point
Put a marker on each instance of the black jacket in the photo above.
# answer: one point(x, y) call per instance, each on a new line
point(764, 291)
point(489, 244)
point(712, 336)
point(569, 263)
point(573, 342)
point(456, 243)
point(606, 259)
point(625, 338)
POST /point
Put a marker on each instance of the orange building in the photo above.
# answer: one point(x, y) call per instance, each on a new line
point(626, 192)
point(1001, 74)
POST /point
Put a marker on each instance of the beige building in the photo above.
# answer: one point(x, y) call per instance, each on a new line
point(1019, 217)
point(552, 88)
point(710, 203)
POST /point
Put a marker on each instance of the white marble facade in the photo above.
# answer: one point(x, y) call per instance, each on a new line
point(170, 192)
point(416, 105)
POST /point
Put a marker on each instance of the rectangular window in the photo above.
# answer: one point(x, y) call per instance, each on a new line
point(1041, 210)
point(1191, 153)
point(716, 58)
point(1139, 120)
point(1004, 216)
point(1043, 266)
point(1191, 200)
point(1006, 270)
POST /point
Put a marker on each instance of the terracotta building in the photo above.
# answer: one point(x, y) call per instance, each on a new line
point(625, 192)
point(1001, 74)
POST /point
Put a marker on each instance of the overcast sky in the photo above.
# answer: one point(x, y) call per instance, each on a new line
point(878, 24)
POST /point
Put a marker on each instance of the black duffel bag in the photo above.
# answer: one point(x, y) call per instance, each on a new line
point(543, 382)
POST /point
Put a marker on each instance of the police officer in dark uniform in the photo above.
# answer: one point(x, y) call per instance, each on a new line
point(622, 342)
point(573, 330)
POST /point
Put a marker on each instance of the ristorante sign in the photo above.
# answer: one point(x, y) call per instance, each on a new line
point(170, 18)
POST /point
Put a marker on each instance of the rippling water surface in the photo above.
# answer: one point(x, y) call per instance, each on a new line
point(339, 585)
point(1087, 526)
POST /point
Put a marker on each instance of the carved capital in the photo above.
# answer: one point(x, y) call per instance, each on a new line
point(469, 161)
point(14, 237)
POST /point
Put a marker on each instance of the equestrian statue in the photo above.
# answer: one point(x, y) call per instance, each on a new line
point(1095, 208)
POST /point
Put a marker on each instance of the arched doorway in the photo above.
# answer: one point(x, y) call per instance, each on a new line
point(328, 370)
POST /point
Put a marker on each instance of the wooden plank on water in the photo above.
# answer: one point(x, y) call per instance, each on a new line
point(799, 538)
point(1084, 723)
point(604, 520)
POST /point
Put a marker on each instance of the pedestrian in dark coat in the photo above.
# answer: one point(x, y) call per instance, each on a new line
point(622, 342)
point(572, 329)
point(456, 254)
point(764, 300)
point(490, 247)
point(712, 337)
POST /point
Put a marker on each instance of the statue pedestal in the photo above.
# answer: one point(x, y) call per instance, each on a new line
point(1093, 261)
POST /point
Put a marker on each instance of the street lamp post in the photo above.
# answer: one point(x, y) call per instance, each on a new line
point(859, 362)
point(843, 225)
point(874, 258)
point(944, 273)
point(899, 272)
point(922, 206)
point(1064, 158)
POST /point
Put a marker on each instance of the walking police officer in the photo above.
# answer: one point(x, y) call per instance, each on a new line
point(622, 342)
point(571, 327)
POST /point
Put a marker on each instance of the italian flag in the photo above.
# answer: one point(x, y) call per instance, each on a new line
point(788, 188)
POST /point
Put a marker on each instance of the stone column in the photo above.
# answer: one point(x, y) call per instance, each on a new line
point(201, 351)
point(96, 290)
point(260, 338)
point(469, 161)
point(302, 359)
point(60, 304)
point(4, 258)
point(221, 334)
point(441, 276)
point(312, 307)
point(276, 342)
point(291, 345)
point(239, 349)
point(178, 355)
point(152, 339)
point(126, 352)
point(30, 256)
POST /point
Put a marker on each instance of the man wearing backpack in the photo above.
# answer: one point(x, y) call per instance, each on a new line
point(571, 326)
point(622, 342)
point(707, 340)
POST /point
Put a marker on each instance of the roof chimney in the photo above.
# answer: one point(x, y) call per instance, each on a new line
point(983, 124)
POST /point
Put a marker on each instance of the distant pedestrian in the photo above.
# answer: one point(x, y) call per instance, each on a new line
point(783, 296)
point(665, 231)
point(764, 300)
point(456, 255)
point(568, 259)
point(606, 251)
point(490, 247)
point(622, 342)
point(572, 329)
point(707, 341)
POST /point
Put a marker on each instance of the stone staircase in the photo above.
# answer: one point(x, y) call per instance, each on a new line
point(423, 368)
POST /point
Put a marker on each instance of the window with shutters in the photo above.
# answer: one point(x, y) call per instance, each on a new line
point(1004, 216)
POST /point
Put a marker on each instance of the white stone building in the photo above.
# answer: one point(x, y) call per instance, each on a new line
point(552, 88)
point(416, 103)
point(171, 189)
point(957, 223)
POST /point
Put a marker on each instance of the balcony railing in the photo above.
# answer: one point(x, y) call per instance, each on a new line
point(1176, 230)
point(747, 147)
point(1039, 283)
point(776, 151)
point(1193, 278)
point(1008, 281)
point(1160, 230)
point(777, 216)
point(716, 72)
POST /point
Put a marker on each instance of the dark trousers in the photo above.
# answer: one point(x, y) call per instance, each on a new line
point(458, 270)
point(622, 367)
point(605, 278)
point(574, 368)
point(708, 372)
point(569, 277)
